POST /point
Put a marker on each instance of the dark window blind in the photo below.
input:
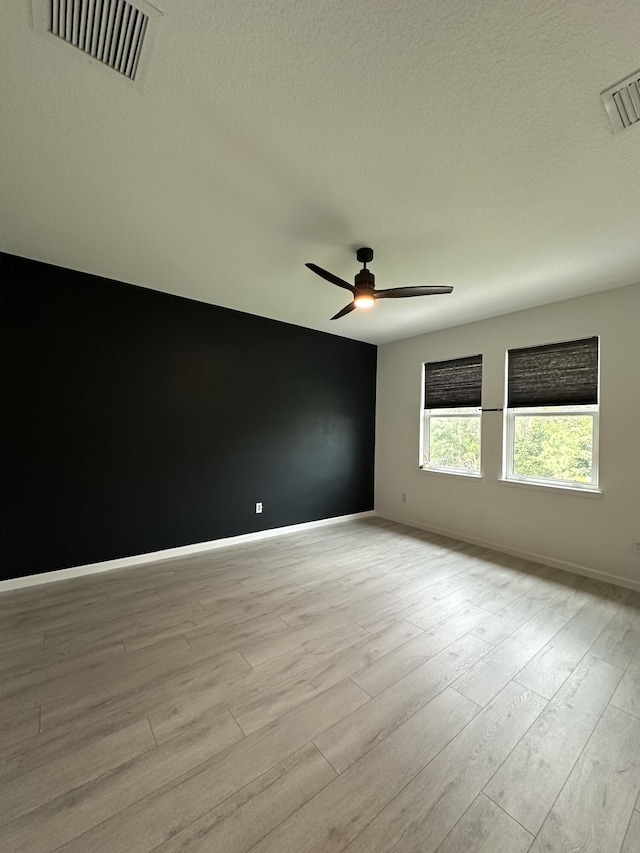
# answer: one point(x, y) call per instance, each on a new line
point(564, 374)
point(453, 384)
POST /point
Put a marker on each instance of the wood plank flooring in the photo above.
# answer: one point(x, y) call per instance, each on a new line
point(363, 687)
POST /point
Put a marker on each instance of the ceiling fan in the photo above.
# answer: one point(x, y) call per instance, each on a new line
point(364, 292)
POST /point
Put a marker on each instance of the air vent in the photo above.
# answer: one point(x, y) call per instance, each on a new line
point(622, 103)
point(117, 33)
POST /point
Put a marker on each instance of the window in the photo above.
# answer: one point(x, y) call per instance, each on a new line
point(451, 416)
point(552, 414)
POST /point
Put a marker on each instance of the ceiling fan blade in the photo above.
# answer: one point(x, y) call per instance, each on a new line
point(346, 310)
point(331, 277)
point(419, 290)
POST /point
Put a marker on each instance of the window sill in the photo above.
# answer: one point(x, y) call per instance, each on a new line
point(443, 472)
point(585, 492)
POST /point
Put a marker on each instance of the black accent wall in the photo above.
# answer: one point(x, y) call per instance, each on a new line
point(134, 421)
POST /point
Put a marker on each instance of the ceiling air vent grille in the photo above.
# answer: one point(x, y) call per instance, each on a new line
point(622, 103)
point(111, 31)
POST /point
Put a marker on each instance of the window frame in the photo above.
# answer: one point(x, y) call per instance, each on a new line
point(510, 416)
point(575, 409)
point(426, 414)
point(425, 440)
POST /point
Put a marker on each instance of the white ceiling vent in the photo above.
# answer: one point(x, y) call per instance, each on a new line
point(622, 103)
point(114, 32)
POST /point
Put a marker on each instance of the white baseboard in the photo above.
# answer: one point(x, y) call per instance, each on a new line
point(172, 553)
point(576, 569)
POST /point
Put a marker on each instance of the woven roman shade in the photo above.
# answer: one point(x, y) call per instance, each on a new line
point(453, 384)
point(563, 374)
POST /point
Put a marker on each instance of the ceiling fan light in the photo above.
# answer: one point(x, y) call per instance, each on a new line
point(364, 301)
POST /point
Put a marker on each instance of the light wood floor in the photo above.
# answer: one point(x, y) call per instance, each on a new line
point(364, 687)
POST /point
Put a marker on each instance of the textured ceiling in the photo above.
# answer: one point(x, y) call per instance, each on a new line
point(465, 141)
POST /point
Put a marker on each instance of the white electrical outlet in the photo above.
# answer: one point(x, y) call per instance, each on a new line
point(259, 507)
point(635, 546)
point(405, 498)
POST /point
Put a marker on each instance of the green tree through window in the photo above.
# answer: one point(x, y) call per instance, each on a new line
point(455, 443)
point(554, 447)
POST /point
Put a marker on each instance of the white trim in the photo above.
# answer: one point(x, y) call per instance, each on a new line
point(558, 486)
point(172, 553)
point(551, 411)
point(574, 568)
point(451, 472)
point(475, 412)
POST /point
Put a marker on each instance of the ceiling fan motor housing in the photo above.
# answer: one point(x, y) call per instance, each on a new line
point(365, 280)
